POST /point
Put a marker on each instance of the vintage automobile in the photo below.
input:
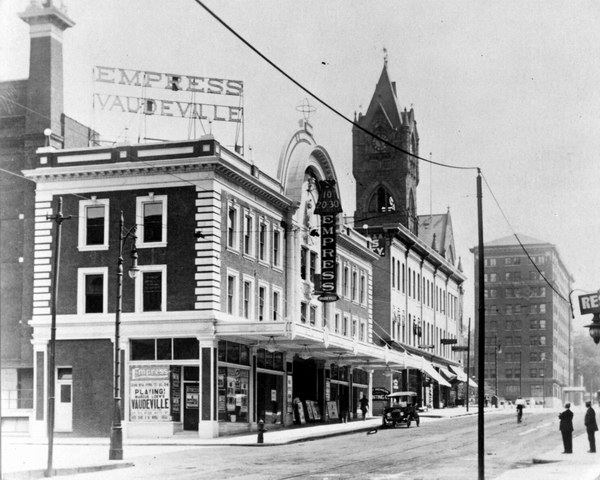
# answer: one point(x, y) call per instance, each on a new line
point(401, 410)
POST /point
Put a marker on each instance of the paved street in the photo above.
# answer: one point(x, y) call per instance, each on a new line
point(438, 449)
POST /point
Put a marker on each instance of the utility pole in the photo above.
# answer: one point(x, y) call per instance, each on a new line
point(481, 337)
point(58, 219)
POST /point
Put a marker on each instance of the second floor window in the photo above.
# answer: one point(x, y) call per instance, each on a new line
point(93, 224)
point(151, 285)
point(152, 291)
point(247, 299)
point(275, 306)
point(230, 294)
point(262, 293)
point(92, 290)
point(94, 293)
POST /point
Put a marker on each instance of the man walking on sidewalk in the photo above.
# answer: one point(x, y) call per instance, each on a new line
point(591, 426)
point(566, 428)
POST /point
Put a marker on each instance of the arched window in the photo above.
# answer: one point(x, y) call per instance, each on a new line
point(382, 201)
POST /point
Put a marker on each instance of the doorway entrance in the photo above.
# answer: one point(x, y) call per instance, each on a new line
point(64, 400)
point(191, 392)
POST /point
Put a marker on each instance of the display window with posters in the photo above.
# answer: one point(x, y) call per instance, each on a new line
point(233, 382)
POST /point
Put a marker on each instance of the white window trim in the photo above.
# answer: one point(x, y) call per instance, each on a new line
point(277, 262)
point(354, 293)
point(83, 204)
point(250, 280)
point(251, 234)
point(235, 300)
point(81, 274)
point(139, 215)
point(266, 305)
point(139, 292)
point(363, 281)
point(346, 321)
point(279, 292)
point(265, 260)
point(236, 228)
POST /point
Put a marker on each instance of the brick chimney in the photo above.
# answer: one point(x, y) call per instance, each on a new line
point(47, 22)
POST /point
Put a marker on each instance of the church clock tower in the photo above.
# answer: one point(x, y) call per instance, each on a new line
point(386, 179)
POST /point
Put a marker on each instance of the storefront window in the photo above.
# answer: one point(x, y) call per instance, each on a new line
point(232, 352)
point(164, 349)
point(233, 394)
point(142, 349)
point(186, 348)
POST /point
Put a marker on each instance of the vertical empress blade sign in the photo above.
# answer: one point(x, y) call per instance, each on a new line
point(328, 206)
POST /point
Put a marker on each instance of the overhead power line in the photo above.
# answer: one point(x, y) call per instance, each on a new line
point(319, 99)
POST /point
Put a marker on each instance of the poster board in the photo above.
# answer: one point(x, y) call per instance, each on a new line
point(316, 411)
point(332, 410)
point(150, 393)
point(300, 410)
point(309, 410)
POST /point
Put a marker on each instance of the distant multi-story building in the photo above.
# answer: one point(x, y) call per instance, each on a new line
point(527, 324)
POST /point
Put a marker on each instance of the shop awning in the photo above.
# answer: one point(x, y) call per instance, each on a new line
point(447, 373)
point(461, 375)
point(427, 367)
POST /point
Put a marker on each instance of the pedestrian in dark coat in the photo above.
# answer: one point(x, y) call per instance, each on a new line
point(591, 426)
point(566, 428)
point(364, 406)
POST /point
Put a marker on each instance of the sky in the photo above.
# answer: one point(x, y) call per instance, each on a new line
point(510, 87)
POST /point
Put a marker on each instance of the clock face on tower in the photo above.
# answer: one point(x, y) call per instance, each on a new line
point(377, 144)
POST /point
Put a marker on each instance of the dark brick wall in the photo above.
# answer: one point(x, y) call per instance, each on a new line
point(178, 255)
point(92, 363)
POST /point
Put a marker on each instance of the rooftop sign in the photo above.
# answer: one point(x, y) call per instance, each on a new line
point(173, 95)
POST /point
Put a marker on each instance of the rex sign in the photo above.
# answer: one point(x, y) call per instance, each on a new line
point(589, 303)
point(328, 206)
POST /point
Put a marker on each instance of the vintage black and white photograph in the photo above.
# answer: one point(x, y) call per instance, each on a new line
point(299, 239)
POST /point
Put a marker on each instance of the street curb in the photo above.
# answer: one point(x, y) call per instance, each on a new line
point(41, 473)
point(298, 440)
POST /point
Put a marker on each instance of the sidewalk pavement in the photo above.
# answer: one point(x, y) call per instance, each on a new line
point(26, 458)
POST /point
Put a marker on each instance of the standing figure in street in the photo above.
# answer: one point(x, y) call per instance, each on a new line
point(566, 428)
point(364, 406)
point(520, 406)
point(591, 426)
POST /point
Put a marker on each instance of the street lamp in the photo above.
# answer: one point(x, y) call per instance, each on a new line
point(595, 328)
point(116, 432)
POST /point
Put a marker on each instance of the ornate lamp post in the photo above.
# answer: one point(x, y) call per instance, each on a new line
point(116, 433)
